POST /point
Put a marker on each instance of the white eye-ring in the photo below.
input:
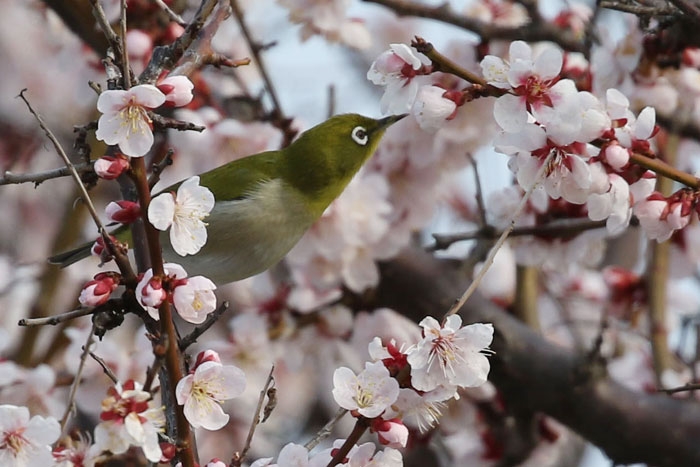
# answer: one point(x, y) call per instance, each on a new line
point(359, 135)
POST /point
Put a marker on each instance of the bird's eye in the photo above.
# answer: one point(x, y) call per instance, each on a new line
point(359, 135)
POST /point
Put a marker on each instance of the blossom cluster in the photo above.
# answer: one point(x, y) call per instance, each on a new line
point(130, 417)
point(402, 390)
point(414, 383)
point(547, 120)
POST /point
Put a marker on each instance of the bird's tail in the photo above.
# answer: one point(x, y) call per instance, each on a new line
point(72, 256)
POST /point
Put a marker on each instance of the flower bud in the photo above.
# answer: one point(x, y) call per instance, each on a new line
point(97, 291)
point(616, 156)
point(150, 291)
point(177, 90)
point(392, 433)
point(124, 212)
point(206, 356)
point(110, 167)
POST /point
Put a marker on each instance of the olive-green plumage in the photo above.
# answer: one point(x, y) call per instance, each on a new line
point(265, 202)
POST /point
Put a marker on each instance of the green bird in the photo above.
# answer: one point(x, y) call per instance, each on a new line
point(265, 202)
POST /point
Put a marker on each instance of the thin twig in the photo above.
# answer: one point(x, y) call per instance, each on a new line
point(152, 372)
point(686, 387)
point(553, 229)
point(166, 57)
point(121, 260)
point(479, 192)
point(106, 28)
point(157, 168)
point(126, 70)
point(238, 457)
point(54, 320)
point(689, 8)
point(501, 240)
point(171, 14)
point(640, 10)
point(110, 374)
point(657, 274)
point(76, 381)
point(255, 50)
point(38, 177)
point(213, 317)
point(326, 431)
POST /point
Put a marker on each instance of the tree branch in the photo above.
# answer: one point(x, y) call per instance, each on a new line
point(529, 32)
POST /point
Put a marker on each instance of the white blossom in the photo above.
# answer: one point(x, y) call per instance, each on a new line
point(184, 214)
point(369, 393)
point(124, 119)
point(202, 392)
point(24, 441)
point(451, 355)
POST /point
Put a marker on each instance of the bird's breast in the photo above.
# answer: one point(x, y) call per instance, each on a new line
point(249, 235)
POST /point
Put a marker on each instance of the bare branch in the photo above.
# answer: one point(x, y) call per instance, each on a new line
point(326, 431)
point(54, 320)
point(501, 240)
point(171, 14)
point(212, 318)
point(39, 177)
point(545, 31)
point(238, 457)
point(70, 407)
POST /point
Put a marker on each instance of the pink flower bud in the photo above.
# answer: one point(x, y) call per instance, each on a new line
point(123, 211)
point(97, 291)
point(206, 356)
point(691, 57)
point(616, 156)
point(392, 433)
point(152, 293)
point(168, 451)
point(177, 90)
point(110, 167)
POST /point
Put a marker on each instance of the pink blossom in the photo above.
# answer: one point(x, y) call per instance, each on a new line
point(130, 417)
point(532, 80)
point(659, 218)
point(432, 108)
point(399, 69)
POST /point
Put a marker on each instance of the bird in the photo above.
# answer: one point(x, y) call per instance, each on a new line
point(265, 202)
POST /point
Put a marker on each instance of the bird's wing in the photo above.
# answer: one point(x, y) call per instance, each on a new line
point(239, 178)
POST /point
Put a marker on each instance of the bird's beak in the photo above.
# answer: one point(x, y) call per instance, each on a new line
point(390, 120)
